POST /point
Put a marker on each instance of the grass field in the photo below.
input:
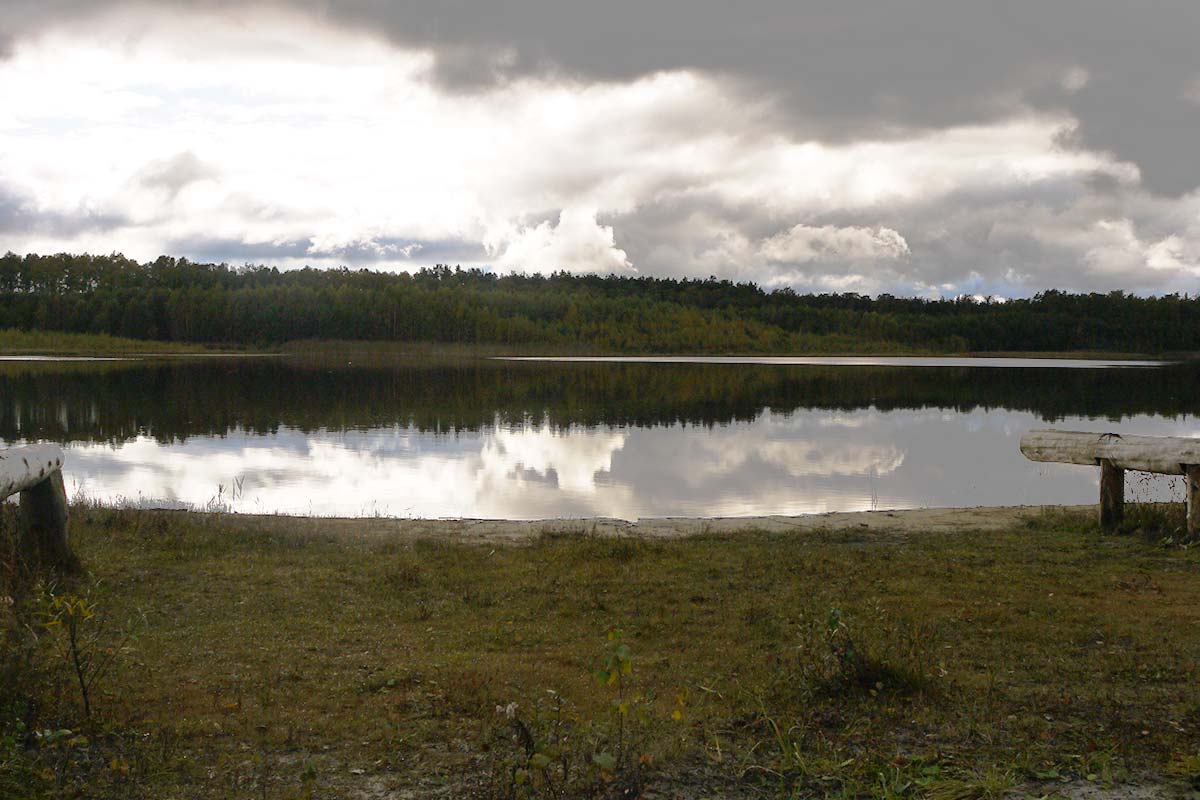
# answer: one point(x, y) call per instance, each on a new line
point(1039, 661)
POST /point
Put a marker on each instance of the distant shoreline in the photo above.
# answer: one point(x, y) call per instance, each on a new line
point(40, 343)
point(849, 361)
point(905, 522)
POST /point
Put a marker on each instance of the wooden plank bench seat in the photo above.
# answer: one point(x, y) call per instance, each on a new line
point(1114, 453)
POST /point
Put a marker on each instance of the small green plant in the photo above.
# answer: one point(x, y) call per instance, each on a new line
point(849, 662)
point(549, 762)
point(630, 713)
point(80, 636)
point(892, 663)
point(616, 667)
point(308, 779)
point(560, 754)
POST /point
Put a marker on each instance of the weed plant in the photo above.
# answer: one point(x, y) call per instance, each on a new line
point(56, 650)
point(1155, 510)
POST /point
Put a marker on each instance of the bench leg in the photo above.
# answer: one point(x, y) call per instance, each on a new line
point(44, 523)
point(1112, 495)
point(1191, 477)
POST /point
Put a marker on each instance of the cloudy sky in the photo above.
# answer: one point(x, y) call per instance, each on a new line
point(938, 147)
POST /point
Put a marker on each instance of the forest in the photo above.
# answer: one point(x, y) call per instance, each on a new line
point(177, 300)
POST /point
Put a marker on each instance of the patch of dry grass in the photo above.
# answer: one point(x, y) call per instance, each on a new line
point(269, 665)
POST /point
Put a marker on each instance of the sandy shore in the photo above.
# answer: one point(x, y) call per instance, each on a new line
point(492, 531)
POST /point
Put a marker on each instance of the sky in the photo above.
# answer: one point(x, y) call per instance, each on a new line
point(932, 148)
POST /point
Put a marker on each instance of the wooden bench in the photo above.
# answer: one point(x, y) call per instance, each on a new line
point(1114, 453)
point(36, 473)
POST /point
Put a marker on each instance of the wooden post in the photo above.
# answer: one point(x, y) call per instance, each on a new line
point(44, 524)
point(35, 472)
point(1112, 495)
point(1192, 479)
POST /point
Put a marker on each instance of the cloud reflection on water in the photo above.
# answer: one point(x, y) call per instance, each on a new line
point(806, 461)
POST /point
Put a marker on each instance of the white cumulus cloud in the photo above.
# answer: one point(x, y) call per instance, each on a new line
point(804, 243)
point(576, 244)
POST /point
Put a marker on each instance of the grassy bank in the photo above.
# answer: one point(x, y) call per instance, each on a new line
point(365, 353)
point(19, 342)
point(254, 663)
point(383, 352)
point(377, 353)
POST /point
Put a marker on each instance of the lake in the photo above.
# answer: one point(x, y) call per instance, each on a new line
point(627, 438)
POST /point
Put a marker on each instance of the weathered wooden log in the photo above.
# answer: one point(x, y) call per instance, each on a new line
point(36, 473)
point(1115, 453)
point(22, 468)
point(1169, 455)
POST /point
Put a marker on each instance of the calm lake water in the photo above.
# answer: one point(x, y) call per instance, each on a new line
point(628, 438)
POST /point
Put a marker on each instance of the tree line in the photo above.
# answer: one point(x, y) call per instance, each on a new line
point(174, 299)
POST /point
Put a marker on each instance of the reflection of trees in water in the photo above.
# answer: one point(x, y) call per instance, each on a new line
point(171, 401)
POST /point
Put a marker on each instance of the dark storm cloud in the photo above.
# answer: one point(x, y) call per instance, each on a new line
point(1009, 240)
point(20, 215)
point(172, 175)
point(854, 69)
point(850, 69)
point(384, 251)
point(235, 251)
